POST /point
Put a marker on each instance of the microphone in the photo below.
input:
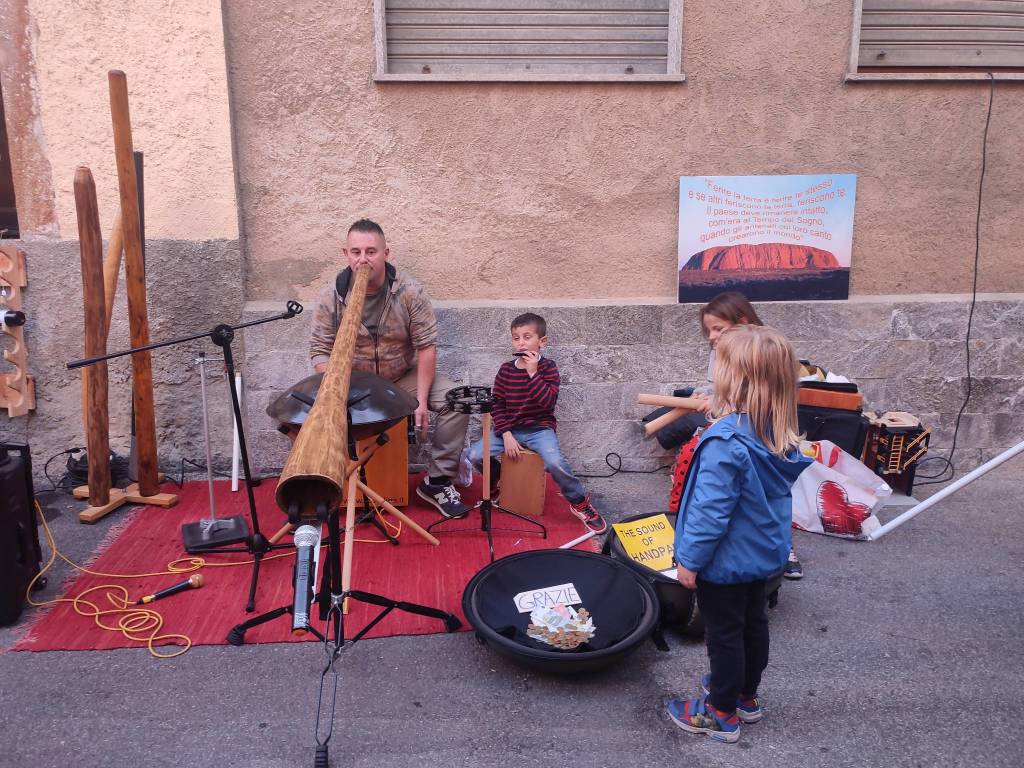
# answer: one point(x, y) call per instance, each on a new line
point(192, 582)
point(307, 542)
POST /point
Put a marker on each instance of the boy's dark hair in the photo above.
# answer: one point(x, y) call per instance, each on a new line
point(529, 318)
point(365, 225)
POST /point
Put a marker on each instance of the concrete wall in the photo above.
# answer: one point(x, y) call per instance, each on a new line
point(906, 353)
point(541, 192)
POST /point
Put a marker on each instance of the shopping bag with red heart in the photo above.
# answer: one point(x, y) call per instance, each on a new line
point(837, 495)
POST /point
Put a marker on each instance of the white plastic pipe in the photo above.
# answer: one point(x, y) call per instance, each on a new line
point(236, 448)
point(949, 490)
point(579, 540)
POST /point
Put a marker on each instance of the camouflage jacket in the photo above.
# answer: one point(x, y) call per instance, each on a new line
point(407, 324)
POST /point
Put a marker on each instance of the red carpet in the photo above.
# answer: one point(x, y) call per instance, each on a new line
point(414, 571)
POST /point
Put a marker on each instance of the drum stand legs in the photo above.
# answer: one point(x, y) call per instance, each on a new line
point(485, 505)
point(332, 599)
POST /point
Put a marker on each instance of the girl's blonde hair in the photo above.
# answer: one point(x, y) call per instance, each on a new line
point(756, 374)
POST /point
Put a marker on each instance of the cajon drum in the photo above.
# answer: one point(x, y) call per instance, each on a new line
point(387, 472)
point(523, 484)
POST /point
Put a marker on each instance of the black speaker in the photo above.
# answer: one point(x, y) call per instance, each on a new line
point(20, 555)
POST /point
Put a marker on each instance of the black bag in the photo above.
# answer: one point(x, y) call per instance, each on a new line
point(20, 555)
point(847, 429)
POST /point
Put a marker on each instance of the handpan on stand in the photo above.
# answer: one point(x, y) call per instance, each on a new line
point(375, 405)
point(479, 400)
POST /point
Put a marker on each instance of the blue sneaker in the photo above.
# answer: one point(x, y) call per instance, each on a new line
point(748, 708)
point(698, 716)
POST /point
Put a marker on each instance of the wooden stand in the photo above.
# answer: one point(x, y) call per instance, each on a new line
point(523, 483)
point(119, 496)
point(99, 282)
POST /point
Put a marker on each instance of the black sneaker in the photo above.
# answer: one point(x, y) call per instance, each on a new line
point(444, 498)
point(793, 569)
point(585, 511)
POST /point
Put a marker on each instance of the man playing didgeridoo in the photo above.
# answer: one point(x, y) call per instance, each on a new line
point(397, 340)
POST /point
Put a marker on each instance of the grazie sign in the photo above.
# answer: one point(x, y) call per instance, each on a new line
point(547, 597)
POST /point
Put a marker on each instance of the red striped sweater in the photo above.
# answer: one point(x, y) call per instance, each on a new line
point(520, 401)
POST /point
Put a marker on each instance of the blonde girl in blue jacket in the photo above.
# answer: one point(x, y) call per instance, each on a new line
point(733, 527)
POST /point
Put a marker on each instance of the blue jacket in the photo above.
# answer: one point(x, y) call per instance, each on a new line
point(737, 508)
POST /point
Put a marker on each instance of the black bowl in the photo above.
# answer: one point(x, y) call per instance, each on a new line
point(678, 604)
point(623, 606)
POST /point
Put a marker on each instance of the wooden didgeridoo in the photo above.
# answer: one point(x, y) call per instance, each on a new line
point(135, 283)
point(680, 407)
point(111, 268)
point(94, 376)
point(315, 470)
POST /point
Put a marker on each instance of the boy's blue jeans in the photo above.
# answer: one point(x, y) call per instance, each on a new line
point(543, 441)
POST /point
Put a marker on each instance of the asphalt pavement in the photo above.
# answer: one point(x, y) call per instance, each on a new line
point(903, 652)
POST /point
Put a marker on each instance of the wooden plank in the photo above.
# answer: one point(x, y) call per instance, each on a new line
point(93, 513)
point(513, 33)
point(952, 6)
point(132, 494)
point(526, 66)
point(529, 5)
point(939, 55)
point(526, 19)
point(531, 50)
point(952, 35)
point(885, 20)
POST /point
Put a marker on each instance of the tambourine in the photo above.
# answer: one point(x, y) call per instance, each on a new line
point(470, 399)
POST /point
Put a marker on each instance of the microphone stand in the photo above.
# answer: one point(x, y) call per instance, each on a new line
point(256, 544)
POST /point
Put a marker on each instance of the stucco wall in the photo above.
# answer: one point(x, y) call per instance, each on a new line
point(56, 54)
point(545, 191)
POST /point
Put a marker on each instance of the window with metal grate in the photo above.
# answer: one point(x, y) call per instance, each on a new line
point(438, 40)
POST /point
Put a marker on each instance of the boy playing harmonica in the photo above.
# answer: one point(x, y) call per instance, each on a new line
point(525, 392)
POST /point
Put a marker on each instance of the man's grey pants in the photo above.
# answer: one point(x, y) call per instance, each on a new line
point(449, 427)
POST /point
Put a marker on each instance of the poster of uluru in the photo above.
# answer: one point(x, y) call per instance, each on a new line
point(773, 238)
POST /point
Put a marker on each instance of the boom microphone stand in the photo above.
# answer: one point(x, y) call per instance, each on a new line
point(332, 598)
point(479, 400)
point(256, 544)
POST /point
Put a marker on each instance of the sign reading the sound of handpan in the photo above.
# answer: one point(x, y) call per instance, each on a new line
point(648, 541)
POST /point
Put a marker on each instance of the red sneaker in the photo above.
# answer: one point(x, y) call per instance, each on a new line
point(585, 511)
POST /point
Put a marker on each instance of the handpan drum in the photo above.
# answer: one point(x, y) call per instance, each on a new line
point(622, 605)
point(374, 404)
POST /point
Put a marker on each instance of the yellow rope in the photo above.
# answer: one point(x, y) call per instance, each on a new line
point(135, 622)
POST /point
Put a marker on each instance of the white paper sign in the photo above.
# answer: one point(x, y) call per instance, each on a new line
point(546, 597)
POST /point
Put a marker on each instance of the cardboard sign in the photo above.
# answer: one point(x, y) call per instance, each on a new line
point(547, 597)
point(648, 541)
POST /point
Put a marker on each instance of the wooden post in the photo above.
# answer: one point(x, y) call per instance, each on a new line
point(135, 281)
point(112, 266)
point(90, 243)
